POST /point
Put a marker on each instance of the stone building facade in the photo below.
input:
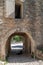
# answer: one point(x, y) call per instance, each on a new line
point(29, 24)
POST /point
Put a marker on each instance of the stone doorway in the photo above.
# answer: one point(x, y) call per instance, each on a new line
point(26, 44)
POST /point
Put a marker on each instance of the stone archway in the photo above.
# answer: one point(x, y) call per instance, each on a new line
point(26, 43)
point(30, 42)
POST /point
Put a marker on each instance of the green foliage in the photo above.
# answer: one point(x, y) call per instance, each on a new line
point(32, 55)
point(17, 38)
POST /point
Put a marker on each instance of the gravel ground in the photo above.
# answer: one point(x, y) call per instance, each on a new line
point(23, 60)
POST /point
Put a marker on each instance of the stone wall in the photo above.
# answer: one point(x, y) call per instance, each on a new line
point(32, 21)
point(1, 8)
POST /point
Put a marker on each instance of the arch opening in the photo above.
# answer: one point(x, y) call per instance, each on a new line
point(20, 47)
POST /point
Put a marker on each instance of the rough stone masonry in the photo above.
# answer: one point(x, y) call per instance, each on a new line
point(31, 22)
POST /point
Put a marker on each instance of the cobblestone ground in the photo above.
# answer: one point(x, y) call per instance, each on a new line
point(22, 60)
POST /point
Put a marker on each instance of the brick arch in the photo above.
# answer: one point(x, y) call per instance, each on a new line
point(9, 33)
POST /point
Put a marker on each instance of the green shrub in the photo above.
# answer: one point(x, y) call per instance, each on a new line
point(17, 38)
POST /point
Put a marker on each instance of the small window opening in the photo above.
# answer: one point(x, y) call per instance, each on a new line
point(17, 11)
